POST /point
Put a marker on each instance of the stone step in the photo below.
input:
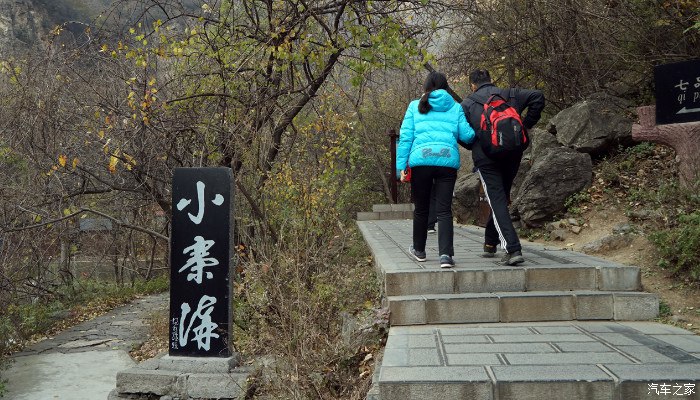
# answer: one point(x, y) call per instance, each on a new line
point(522, 306)
point(534, 361)
point(184, 377)
point(393, 207)
point(387, 212)
point(406, 282)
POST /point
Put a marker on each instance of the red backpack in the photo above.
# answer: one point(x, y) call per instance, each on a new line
point(502, 131)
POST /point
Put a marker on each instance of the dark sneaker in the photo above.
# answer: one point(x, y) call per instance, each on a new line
point(489, 251)
point(446, 261)
point(418, 255)
point(513, 258)
point(432, 230)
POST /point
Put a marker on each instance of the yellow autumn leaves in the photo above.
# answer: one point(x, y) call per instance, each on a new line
point(120, 156)
point(115, 158)
point(62, 163)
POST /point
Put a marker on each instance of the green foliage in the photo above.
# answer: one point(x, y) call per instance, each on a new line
point(664, 309)
point(625, 162)
point(679, 247)
point(642, 150)
point(324, 180)
point(20, 321)
point(85, 291)
point(574, 202)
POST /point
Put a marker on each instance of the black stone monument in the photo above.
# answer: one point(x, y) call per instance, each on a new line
point(677, 92)
point(201, 262)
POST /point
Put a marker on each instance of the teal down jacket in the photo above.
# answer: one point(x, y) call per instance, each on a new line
point(431, 139)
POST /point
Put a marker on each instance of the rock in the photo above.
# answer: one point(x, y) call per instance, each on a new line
point(623, 228)
point(594, 126)
point(576, 229)
point(540, 142)
point(350, 326)
point(22, 25)
point(523, 170)
point(465, 203)
point(552, 226)
point(573, 221)
point(558, 174)
point(644, 214)
point(607, 243)
point(558, 234)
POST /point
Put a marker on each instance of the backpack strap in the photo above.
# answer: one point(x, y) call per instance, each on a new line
point(511, 99)
point(477, 98)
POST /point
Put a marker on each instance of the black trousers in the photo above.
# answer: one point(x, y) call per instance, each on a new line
point(423, 180)
point(432, 216)
point(497, 179)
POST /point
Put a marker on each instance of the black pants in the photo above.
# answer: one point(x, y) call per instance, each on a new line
point(497, 179)
point(432, 216)
point(423, 179)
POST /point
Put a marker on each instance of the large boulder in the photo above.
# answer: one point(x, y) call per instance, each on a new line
point(595, 126)
point(548, 175)
point(553, 177)
point(540, 142)
point(465, 203)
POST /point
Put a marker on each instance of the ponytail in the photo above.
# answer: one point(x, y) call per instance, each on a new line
point(424, 105)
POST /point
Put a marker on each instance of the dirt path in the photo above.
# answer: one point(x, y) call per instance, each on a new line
point(680, 300)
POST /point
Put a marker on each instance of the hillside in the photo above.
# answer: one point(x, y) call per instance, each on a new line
point(25, 24)
point(633, 195)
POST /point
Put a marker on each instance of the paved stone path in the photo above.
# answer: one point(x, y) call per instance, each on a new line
point(82, 362)
point(442, 344)
point(577, 360)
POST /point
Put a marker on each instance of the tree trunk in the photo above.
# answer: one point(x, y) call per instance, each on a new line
point(683, 138)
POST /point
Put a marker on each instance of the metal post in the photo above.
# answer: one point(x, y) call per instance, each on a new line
point(392, 179)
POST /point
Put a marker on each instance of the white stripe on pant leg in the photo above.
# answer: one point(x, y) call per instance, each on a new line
point(504, 244)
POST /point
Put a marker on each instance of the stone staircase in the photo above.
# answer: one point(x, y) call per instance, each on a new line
point(555, 327)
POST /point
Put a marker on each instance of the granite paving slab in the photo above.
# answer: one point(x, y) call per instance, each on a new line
point(577, 360)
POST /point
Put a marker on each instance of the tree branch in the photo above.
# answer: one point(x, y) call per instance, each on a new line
point(88, 210)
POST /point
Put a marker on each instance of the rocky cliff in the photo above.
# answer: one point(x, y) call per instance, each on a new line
point(23, 26)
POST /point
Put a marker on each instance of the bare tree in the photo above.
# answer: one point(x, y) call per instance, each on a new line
point(575, 47)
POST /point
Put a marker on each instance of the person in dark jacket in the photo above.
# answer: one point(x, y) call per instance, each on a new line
point(427, 144)
point(497, 175)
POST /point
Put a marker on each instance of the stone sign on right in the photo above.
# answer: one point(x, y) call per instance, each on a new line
point(677, 92)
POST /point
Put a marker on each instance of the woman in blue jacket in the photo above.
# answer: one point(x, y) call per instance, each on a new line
point(428, 145)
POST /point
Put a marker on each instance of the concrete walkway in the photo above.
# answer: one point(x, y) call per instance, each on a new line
point(556, 327)
point(540, 360)
point(82, 362)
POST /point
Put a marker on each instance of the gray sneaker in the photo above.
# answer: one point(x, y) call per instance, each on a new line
point(446, 261)
point(513, 258)
point(418, 255)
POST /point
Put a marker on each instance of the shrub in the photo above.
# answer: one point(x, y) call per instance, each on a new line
point(290, 306)
point(574, 202)
point(664, 309)
point(679, 247)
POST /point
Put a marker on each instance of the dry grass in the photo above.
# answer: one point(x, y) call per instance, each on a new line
point(290, 310)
